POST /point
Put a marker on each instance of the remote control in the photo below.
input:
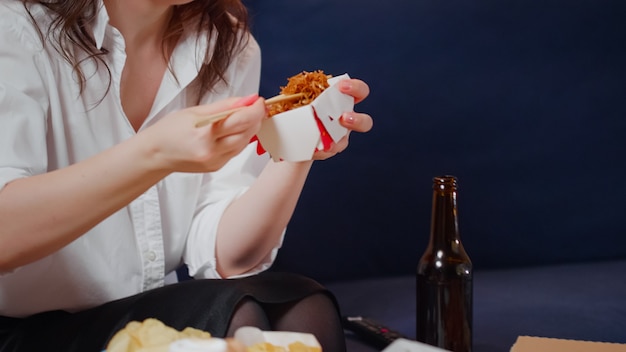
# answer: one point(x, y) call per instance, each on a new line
point(371, 331)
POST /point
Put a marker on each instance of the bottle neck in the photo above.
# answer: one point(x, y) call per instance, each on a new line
point(444, 230)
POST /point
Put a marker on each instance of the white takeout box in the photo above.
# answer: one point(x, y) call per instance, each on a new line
point(406, 345)
point(250, 336)
point(199, 345)
point(294, 135)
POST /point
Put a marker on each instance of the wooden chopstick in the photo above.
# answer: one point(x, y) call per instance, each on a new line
point(205, 120)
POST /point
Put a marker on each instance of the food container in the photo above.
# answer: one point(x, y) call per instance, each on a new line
point(251, 336)
point(199, 345)
point(296, 134)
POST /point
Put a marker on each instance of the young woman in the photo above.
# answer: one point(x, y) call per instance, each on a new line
point(107, 186)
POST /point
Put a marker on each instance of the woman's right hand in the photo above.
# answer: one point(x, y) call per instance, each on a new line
point(100, 185)
point(176, 145)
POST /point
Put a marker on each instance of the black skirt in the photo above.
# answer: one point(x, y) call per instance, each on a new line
point(203, 304)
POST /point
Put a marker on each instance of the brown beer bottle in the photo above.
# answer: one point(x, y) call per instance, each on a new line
point(444, 277)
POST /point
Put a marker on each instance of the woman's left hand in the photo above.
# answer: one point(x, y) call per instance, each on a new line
point(353, 121)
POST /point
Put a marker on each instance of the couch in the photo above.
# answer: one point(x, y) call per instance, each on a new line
point(523, 100)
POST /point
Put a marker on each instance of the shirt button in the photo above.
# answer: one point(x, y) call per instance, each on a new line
point(152, 256)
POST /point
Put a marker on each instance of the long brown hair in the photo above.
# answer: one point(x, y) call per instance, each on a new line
point(70, 29)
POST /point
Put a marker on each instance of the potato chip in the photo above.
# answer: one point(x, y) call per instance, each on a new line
point(151, 335)
point(189, 332)
point(265, 347)
point(292, 347)
point(301, 347)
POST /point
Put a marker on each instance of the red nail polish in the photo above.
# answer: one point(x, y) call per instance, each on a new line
point(348, 118)
point(246, 101)
point(345, 85)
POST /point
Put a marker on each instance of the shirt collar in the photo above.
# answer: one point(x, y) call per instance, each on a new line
point(102, 21)
point(186, 60)
point(100, 24)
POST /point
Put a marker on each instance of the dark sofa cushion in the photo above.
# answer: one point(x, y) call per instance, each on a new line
point(522, 100)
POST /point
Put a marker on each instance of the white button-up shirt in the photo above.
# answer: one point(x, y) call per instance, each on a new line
point(47, 124)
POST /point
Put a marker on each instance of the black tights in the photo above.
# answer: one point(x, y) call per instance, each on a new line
point(300, 316)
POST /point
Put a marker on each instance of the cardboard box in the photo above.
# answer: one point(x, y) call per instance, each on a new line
point(545, 344)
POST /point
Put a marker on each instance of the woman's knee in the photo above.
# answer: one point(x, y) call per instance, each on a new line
point(248, 312)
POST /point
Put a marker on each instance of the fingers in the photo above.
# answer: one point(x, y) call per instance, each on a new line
point(208, 113)
point(249, 117)
point(216, 107)
point(359, 90)
point(358, 122)
point(353, 121)
point(335, 149)
point(246, 101)
point(234, 133)
point(242, 113)
point(354, 87)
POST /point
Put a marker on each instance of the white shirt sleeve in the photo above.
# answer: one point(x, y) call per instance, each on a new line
point(23, 103)
point(222, 187)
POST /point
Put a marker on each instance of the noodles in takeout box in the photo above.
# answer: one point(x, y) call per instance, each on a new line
point(297, 129)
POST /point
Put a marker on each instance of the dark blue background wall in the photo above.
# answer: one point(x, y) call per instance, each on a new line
point(524, 101)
